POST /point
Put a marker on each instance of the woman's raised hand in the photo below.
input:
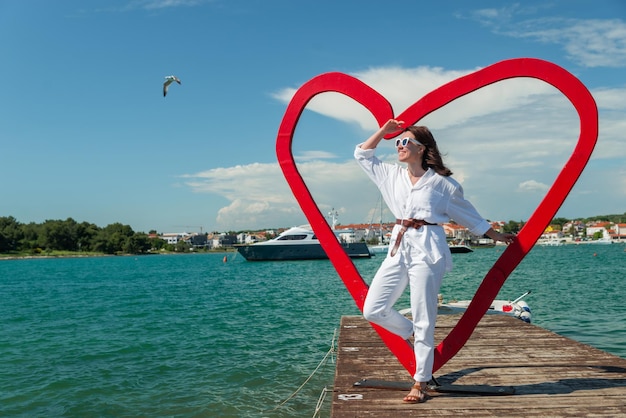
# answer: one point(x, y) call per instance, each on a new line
point(392, 125)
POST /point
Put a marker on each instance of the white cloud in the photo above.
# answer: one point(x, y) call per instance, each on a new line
point(488, 14)
point(315, 155)
point(402, 87)
point(505, 143)
point(611, 99)
point(533, 186)
point(591, 43)
point(162, 4)
point(260, 197)
point(588, 42)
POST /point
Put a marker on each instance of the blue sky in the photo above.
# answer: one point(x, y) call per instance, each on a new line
point(86, 133)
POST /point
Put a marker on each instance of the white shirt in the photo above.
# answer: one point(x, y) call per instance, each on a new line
point(434, 198)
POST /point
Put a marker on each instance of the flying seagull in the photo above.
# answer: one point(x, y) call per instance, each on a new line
point(168, 80)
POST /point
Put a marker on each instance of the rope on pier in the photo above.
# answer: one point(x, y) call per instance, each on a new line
point(330, 352)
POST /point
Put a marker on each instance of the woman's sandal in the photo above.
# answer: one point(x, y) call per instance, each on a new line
point(421, 397)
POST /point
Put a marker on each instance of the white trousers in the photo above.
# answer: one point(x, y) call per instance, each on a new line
point(386, 288)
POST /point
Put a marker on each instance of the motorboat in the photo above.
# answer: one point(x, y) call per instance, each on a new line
point(604, 240)
point(297, 243)
point(459, 247)
point(517, 308)
point(552, 243)
point(600, 241)
point(379, 249)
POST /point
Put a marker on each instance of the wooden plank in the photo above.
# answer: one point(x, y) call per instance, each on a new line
point(552, 375)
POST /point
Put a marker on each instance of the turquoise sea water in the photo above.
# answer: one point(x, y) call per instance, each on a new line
point(190, 335)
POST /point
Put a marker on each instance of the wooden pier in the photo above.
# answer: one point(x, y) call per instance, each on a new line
point(552, 376)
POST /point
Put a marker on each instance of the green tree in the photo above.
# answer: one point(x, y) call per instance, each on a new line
point(30, 237)
point(156, 244)
point(513, 227)
point(560, 222)
point(85, 233)
point(112, 238)
point(11, 234)
point(136, 244)
point(59, 235)
point(182, 246)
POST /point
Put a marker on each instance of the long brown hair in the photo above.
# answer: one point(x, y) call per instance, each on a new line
point(432, 157)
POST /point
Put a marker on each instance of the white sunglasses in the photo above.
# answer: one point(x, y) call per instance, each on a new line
point(405, 141)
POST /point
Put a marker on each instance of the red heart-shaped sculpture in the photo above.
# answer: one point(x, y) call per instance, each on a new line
point(569, 85)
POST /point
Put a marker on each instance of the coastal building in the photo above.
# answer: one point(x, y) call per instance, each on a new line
point(595, 227)
point(498, 225)
point(223, 240)
point(456, 232)
point(173, 237)
point(363, 232)
point(380, 232)
point(245, 238)
point(574, 228)
point(618, 232)
point(553, 235)
point(350, 235)
point(198, 241)
point(194, 240)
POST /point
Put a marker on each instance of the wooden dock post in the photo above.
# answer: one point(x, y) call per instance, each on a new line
point(553, 376)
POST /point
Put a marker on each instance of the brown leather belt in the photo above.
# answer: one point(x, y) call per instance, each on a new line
point(407, 223)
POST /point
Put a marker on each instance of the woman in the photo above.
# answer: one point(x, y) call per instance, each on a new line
point(421, 196)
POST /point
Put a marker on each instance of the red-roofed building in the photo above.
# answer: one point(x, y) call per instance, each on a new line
point(456, 232)
point(618, 232)
point(594, 227)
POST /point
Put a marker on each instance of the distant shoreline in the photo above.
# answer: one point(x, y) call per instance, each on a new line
point(27, 257)
point(77, 255)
